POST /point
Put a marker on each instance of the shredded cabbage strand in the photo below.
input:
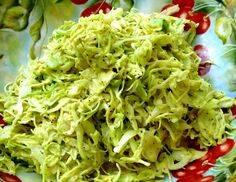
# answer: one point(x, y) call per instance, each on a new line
point(116, 97)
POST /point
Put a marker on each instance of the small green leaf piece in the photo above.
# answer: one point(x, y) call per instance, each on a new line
point(35, 34)
point(126, 5)
point(16, 18)
point(223, 28)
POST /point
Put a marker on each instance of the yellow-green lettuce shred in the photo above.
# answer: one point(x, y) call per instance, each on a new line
point(116, 97)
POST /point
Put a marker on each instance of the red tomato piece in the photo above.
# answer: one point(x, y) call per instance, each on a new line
point(207, 179)
point(184, 12)
point(167, 6)
point(202, 52)
point(181, 173)
point(79, 1)
point(197, 178)
point(197, 167)
point(203, 20)
point(233, 110)
point(222, 149)
point(193, 178)
point(201, 165)
point(184, 3)
point(204, 68)
point(9, 177)
point(105, 7)
point(2, 122)
point(205, 168)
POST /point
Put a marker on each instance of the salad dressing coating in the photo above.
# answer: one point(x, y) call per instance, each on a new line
point(116, 97)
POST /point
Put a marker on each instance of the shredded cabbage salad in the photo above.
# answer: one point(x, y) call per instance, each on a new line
point(116, 97)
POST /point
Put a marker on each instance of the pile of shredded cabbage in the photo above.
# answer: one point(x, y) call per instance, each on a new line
point(116, 97)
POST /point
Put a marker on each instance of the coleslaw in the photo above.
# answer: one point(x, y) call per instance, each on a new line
point(116, 97)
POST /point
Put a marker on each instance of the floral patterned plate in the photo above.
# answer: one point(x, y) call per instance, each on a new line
point(26, 25)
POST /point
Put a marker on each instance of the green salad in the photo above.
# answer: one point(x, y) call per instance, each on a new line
point(115, 97)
